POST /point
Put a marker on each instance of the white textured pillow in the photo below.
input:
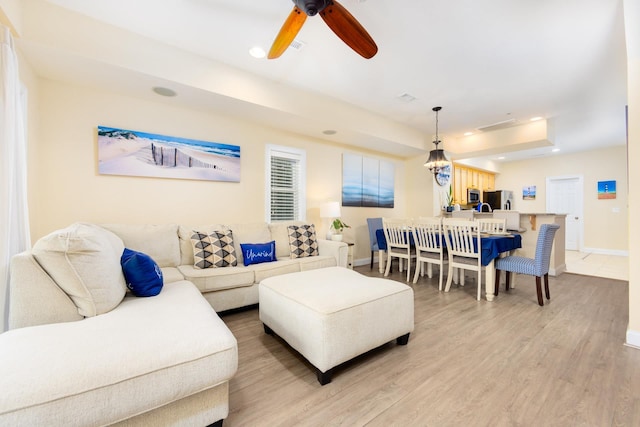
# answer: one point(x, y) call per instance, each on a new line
point(84, 260)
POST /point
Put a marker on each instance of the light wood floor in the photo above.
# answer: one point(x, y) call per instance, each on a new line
point(468, 363)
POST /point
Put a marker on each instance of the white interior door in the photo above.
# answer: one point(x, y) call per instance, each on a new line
point(564, 195)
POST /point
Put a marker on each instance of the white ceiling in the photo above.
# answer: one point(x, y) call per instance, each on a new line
point(483, 62)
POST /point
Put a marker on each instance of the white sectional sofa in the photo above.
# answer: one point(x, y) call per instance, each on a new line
point(82, 351)
point(228, 287)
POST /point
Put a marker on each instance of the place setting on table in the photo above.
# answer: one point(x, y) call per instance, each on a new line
point(495, 243)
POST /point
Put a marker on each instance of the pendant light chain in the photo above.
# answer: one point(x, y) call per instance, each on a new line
point(437, 139)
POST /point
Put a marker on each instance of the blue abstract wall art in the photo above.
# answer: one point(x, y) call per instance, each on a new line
point(367, 182)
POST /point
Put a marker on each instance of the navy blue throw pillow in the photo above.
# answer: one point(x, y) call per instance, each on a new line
point(142, 274)
point(255, 253)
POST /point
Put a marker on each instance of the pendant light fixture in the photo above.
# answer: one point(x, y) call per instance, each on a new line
point(437, 159)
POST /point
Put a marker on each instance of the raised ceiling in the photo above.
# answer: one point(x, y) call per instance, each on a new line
point(484, 62)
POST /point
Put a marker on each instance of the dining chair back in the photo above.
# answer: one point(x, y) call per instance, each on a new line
point(430, 218)
point(538, 266)
point(511, 217)
point(492, 225)
point(464, 248)
point(374, 224)
point(463, 214)
point(427, 235)
point(397, 233)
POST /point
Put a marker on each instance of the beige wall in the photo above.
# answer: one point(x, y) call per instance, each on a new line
point(66, 186)
point(632, 17)
point(421, 189)
point(604, 229)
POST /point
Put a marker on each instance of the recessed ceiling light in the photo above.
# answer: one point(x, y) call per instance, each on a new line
point(468, 133)
point(501, 158)
point(535, 119)
point(164, 91)
point(257, 52)
point(329, 132)
point(555, 150)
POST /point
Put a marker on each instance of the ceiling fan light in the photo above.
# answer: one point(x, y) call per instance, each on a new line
point(257, 52)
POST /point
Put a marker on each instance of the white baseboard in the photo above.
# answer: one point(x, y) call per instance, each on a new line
point(633, 338)
point(605, 251)
point(558, 270)
point(365, 261)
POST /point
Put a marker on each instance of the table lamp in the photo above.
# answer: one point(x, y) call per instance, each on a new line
point(330, 210)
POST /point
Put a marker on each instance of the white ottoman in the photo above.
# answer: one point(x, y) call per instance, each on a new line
point(331, 315)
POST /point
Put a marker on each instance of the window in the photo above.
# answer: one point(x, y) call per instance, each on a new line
point(286, 195)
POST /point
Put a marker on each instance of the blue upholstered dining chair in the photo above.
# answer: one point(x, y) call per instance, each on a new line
point(374, 224)
point(538, 266)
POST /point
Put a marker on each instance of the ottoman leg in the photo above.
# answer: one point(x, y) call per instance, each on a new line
point(403, 340)
point(267, 330)
point(324, 377)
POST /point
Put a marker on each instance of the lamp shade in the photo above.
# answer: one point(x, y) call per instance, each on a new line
point(330, 210)
point(437, 160)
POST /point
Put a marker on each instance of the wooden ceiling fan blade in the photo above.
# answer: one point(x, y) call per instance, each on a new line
point(349, 29)
point(287, 33)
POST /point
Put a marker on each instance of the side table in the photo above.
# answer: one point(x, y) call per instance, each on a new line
point(351, 246)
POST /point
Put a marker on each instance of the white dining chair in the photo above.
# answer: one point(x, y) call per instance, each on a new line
point(397, 233)
point(511, 217)
point(464, 248)
point(492, 225)
point(427, 235)
point(463, 214)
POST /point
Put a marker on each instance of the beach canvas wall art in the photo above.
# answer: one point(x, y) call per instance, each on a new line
point(367, 182)
point(135, 153)
point(606, 190)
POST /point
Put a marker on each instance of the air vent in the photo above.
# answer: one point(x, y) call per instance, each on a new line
point(296, 44)
point(499, 125)
point(406, 97)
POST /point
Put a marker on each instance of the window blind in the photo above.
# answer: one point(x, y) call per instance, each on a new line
point(285, 179)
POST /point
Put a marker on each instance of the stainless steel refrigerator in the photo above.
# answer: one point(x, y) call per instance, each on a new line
point(500, 199)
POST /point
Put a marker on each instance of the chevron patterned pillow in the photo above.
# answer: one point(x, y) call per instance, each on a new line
point(214, 249)
point(302, 241)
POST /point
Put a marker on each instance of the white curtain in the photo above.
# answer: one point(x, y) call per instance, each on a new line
point(14, 216)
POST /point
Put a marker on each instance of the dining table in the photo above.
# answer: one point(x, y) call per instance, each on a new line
point(492, 247)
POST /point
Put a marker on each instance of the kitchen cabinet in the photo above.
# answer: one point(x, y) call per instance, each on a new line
point(465, 177)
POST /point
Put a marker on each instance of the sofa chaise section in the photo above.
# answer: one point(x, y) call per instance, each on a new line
point(159, 360)
point(147, 353)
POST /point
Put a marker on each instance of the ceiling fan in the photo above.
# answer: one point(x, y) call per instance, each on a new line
point(341, 22)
